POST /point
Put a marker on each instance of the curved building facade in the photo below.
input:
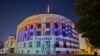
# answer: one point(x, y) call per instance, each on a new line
point(46, 34)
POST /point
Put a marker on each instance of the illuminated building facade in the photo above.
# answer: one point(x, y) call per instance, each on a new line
point(9, 44)
point(46, 34)
point(85, 46)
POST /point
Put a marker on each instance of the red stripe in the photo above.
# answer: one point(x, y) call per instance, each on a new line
point(61, 39)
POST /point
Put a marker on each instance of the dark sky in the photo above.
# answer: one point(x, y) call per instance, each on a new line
point(12, 12)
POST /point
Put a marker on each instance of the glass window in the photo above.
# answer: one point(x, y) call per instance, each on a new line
point(11, 43)
point(38, 43)
point(26, 28)
point(30, 44)
point(56, 33)
point(67, 51)
point(64, 34)
point(28, 51)
point(65, 44)
point(57, 52)
point(22, 51)
point(25, 35)
point(37, 51)
point(24, 44)
point(47, 33)
point(38, 33)
point(39, 26)
point(57, 44)
point(16, 51)
point(56, 25)
point(31, 27)
point(31, 33)
point(47, 25)
point(63, 26)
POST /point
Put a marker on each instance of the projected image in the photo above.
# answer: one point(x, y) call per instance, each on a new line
point(46, 34)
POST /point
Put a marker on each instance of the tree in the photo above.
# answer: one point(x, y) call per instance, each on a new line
point(89, 11)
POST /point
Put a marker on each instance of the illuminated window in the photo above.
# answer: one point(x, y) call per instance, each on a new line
point(38, 43)
point(47, 25)
point(25, 35)
point(39, 26)
point(38, 33)
point(47, 33)
point(30, 44)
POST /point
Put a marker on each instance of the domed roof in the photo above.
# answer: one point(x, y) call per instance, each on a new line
point(43, 17)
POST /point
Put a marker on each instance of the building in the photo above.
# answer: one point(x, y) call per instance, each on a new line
point(9, 44)
point(46, 34)
point(1, 46)
point(85, 45)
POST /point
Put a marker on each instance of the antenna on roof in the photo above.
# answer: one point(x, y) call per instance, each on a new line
point(48, 9)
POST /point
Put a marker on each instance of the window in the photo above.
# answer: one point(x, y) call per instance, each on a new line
point(22, 51)
point(25, 35)
point(11, 43)
point(30, 44)
point(64, 34)
point(63, 26)
point(16, 51)
point(28, 51)
point(31, 33)
point(39, 26)
point(37, 51)
point(47, 25)
point(38, 33)
point(48, 45)
point(57, 52)
point(67, 51)
point(65, 44)
point(24, 44)
point(57, 44)
point(56, 25)
point(38, 43)
point(26, 28)
point(47, 33)
point(31, 27)
point(56, 33)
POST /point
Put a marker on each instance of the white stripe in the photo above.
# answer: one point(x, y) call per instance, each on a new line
point(67, 43)
point(61, 43)
point(65, 49)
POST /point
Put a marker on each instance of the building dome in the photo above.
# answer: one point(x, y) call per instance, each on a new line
point(46, 33)
point(47, 18)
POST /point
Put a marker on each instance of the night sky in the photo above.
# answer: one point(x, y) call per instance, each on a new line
point(12, 12)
